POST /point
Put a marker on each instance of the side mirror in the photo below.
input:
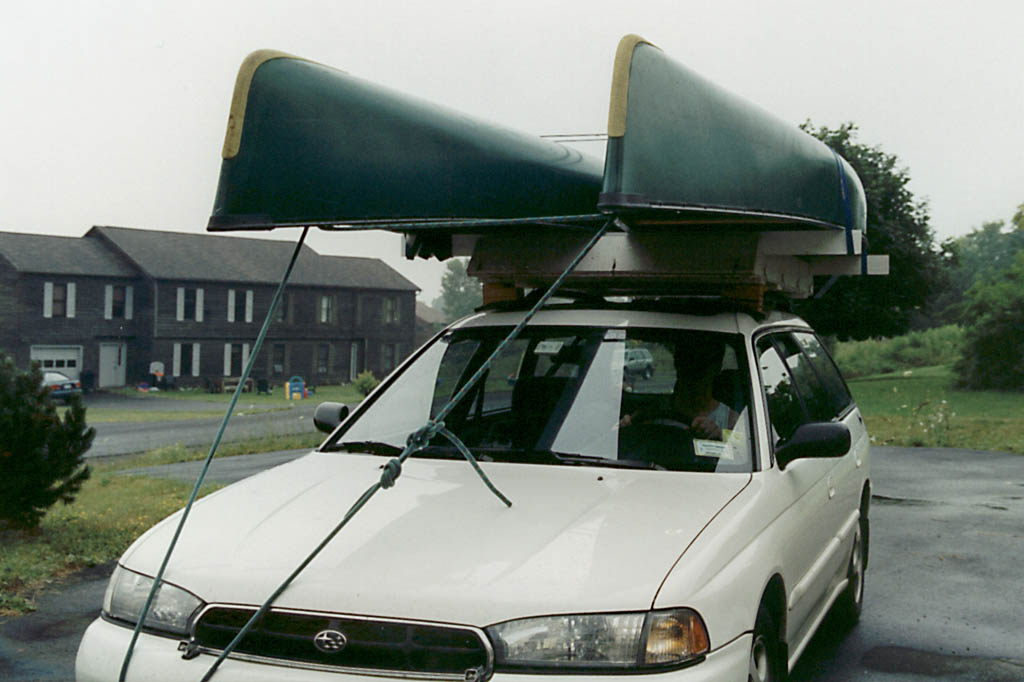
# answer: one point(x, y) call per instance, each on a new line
point(329, 415)
point(817, 439)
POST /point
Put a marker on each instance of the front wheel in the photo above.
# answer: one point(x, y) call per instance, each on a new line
point(766, 659)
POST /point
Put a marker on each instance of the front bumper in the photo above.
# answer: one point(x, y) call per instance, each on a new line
point(156, 659)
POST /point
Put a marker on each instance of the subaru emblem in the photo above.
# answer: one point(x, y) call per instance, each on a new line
point(329, 641)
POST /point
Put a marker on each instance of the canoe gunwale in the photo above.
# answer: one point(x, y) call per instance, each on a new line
point(458, 225)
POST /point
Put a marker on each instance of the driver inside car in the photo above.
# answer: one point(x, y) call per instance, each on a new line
point(692, 404)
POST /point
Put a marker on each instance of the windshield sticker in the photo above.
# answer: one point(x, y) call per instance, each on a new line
point(548, 347)
point(714, 448)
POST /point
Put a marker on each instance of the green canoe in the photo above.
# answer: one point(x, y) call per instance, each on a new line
point(311, 145)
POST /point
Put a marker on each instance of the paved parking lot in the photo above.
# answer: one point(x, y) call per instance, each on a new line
point(944, 598)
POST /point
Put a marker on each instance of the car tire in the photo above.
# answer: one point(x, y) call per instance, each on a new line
point(767, 661)
point(851, 601)
point(648, 373)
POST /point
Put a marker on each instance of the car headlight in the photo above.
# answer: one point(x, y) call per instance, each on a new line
point(593, 641)
point(170, 611)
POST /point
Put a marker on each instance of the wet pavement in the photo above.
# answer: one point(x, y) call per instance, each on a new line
point(943, 599)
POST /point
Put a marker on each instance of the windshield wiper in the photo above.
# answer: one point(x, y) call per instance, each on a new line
point(370, 447)
point(573, 458)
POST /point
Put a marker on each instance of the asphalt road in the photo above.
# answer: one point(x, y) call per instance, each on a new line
point(944, 599)
point(121, 438)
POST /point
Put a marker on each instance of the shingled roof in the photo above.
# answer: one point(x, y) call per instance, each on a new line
point(48, 254)
point(204, 257)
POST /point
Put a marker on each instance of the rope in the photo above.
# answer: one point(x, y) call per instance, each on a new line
point(209, 457)
point(417, 440)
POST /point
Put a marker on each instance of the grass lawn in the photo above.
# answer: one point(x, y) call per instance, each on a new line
point(920, 407)
point(108, 514)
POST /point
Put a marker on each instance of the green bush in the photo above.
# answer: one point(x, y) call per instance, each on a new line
point(939, 346)
point(365, 382)
point(41, 455)
point(993, 355)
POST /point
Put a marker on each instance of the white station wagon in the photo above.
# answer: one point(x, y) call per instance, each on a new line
point(697, 525)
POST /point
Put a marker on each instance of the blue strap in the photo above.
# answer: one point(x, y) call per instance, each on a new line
point(847, 209)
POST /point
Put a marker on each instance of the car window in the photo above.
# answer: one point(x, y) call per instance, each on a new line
point(816, 399)
point(838, 393)
point(559, 394)
point(785, 408)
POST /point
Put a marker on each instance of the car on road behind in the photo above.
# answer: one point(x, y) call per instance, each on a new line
point(61, 386)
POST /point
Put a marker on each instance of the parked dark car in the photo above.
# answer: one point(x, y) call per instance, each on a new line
point(61, 386)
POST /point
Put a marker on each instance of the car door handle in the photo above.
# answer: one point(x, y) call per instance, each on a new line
point(831, 487)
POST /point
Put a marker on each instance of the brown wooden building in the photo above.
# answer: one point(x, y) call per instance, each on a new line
point(118, 300)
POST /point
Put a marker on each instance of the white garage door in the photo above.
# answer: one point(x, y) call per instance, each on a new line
point(64, 359)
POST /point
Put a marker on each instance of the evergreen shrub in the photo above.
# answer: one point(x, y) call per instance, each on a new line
point(41, 454)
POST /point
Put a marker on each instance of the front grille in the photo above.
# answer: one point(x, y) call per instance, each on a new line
point(372, 646)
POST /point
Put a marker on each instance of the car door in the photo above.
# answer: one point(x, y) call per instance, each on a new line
point(850, 472)
point(825, 399)
point(803, 484)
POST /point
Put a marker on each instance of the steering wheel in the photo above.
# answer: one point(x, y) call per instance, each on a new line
point(664, 442)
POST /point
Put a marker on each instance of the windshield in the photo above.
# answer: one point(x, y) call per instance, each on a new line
point(637, 397)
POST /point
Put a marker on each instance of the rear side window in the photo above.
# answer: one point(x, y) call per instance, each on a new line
point(812, 390)
point(838, 394)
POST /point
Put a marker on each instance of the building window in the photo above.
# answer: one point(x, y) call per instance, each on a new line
point(353, 361)
point(282, 308)
point(58, 299)
point(190, 304)
point(323, 356)
point(388, 356)
point(117, 302)
point(240, 305)
point(236, 356)
point(186, 360)
point(326, 309)
point(389, 310)
point(277, 358)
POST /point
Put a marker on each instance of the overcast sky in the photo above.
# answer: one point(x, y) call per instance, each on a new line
point(114, 112)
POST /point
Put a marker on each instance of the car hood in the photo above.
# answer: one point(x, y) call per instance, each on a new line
point(438, 545)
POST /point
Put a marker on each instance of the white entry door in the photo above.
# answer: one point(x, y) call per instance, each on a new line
point(113, 360)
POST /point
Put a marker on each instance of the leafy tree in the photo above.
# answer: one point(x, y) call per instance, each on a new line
point(41, 455)
point(897, 225)
point(994, 336)
point(983, 254)
point(461, 294)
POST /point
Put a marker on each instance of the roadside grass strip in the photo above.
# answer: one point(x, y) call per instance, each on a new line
point(107, 415)
point(345, 393)
point(106, 517)
point(920, 407)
